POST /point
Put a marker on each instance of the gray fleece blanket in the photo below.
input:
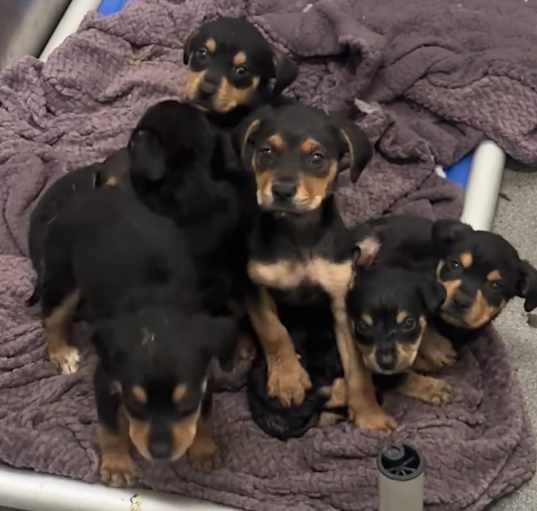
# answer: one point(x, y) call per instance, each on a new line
point(426, 82)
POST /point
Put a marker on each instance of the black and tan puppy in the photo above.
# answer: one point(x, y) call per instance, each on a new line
point(389, 309)
point(300, 250)
point(233, 70)
point(480, 272)
point(153, 336)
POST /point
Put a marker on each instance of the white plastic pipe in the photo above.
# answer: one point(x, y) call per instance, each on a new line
point(68, 24)
point(37, 492)
point(483, 187)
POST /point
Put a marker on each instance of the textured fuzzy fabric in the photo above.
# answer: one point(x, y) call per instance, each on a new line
point(432, 78)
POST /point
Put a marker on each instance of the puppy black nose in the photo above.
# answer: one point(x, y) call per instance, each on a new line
point(208, 87)
point(462, 301)
point(160, 449)
point(386, 360)
point(284, 190)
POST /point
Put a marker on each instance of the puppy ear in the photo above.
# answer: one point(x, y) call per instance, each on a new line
point(187, 47)
point(366, 251)
point(221, 340)
point(356, 145)
point(527, 285)
point(285, 71)
point(147, 156)
point(433, 294)
point(448, 231)
point(242, 139)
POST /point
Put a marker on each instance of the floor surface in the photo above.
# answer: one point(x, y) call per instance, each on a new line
point(517, 221)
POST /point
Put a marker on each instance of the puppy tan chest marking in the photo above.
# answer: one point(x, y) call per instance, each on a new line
point(333, 278)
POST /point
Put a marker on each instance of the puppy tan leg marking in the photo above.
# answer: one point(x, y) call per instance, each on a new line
point(338, 394)
point(117, 466)
point(57, 331)
point(204, 454)
point(427, 389)
point(436, 351)
point(364, 410)
point(287, 379)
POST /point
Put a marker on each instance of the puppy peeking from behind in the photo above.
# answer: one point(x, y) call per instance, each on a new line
point(233, 70)
point(300, 251)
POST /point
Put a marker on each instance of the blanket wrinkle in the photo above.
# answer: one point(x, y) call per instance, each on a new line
point(427, 83)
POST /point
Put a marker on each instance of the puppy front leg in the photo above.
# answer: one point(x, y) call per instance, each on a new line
point(117, 467)
point(364, 409)
point(287, 380)
point(427, 389)
point(204, 454)
point(57, 323)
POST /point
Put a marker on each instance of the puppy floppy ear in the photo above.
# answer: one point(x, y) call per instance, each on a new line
point(448, 231)
point(356, 144)
point(285, 72)
point(146, 155)
point(433, 295)
point(187, 47)
point(243, 138)
point(220, 340)
point(365, 251)
point(527, 285)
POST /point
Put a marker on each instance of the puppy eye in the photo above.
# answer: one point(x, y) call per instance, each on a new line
point(361, 326)
point(453, 265)
point(495, 284)
point(201, 53)
point(317, 159)
point(241, 71)
point(408, 324)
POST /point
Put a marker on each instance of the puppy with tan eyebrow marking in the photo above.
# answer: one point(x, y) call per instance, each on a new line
point(300, 250)
point(233, 70)
point(389, 309)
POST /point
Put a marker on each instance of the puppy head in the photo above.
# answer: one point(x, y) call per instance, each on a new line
point(480, 272)
point(231, 65)
point(170, 136)
point(159, 362)
point(296, 153)
point(388, 309)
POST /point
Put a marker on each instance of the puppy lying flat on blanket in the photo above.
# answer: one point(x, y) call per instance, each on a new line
point(233, 70)
point(480, 272)
point(300, 250)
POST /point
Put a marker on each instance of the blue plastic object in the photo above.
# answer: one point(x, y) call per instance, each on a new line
point(460, 172)
point(110, 6)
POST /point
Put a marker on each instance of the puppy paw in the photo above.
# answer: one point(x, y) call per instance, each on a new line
point(442, 354)
point(373, 419)
point(437, 351)
point(436, 392)
point(205, 456)
point(289, 382)
point(67, 360)
point(119, 471)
